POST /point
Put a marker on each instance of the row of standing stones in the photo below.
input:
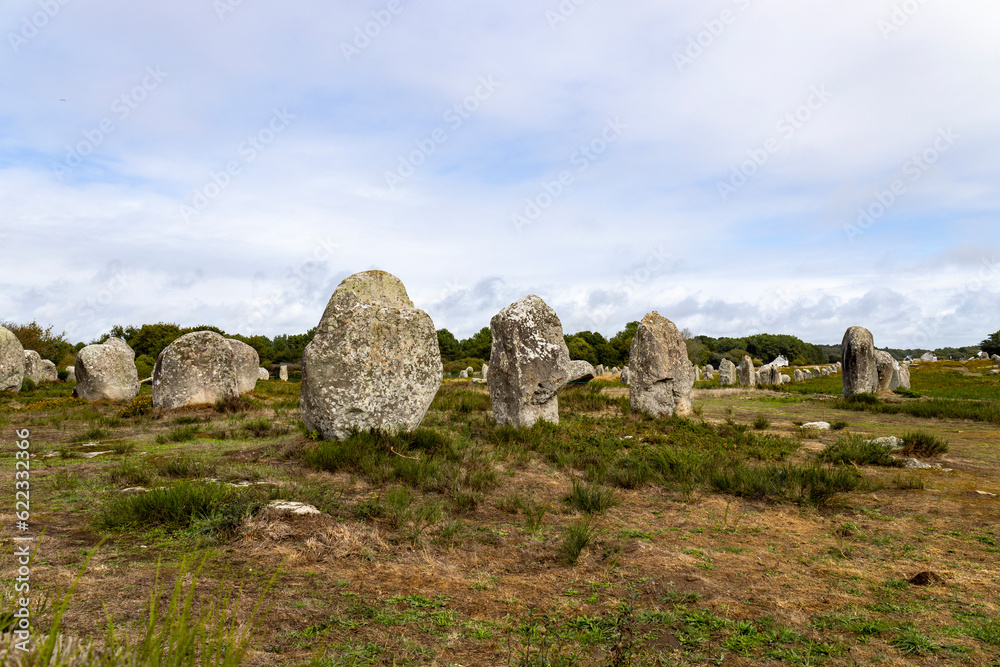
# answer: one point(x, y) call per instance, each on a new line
point(374, 362)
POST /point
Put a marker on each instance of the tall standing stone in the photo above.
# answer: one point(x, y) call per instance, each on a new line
point(745, 373)
point(283, 372)
point(660, 374)
point(860, 368)
point(106, 372)
point(904, 376)
point(769, 374)
point(463, 374)
point(247, 363)
point(374, 362)
point(624, 378)
point(71, 373)
point(32, 366)
point(263, 374)
point(195, 369)
point(798, 376)
point(530, 362)
point(888, 371)
point(727, 373)
point(485, 373)
point(11, 361)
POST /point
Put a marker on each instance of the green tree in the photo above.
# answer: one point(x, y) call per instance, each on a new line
point(621, 343)
point(451, 349)
point(48, 345)
point(479, 345)
point(581, 349)
point(991, 345)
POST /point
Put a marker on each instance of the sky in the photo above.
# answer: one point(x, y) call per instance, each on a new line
point(739, 166)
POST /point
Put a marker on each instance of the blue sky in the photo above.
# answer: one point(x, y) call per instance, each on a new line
point(228, 162)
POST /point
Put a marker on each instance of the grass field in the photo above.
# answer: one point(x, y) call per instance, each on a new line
point(730, 538)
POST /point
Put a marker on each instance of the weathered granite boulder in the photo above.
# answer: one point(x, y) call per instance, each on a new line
point(374, 362)
point(697, 374)
point(888, 371)
point(798, 376)
point(581, 371)
point(600, 369)
point(785, 379)
point(247, 365)
point(529, 363)
point(71, 373)
point(11, 361)
point(463, 374)
point(283, 372)
point(727, 373)
point(769, 374)
point(195, 369)
point(709, 368)
point(904, 376)
point(485, 373)
point(745, 373)
point(106, 372)
point(263, 374)
point(48, 371)
point(624, 376)
point(32, 366)
point(660, 375)
point(860, 368)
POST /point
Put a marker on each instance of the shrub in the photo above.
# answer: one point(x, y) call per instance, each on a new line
point(761, 422)
point(858, 450)
point(130, 473)
point(578, 536)
point(918, 443)
point(28, 386)
point(178, 434)
point(259, 427)
point(218, 508)
point(232, 404)
point(137, 407)
point(591, 499)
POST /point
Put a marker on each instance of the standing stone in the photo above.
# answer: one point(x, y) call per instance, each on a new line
point(283, 372)
point(769, 374)
point(32, 366)
point(727, 373)
point(785, 379)
point(106, 372)
point(600, 369)
point(888, 371)
point(860, 368)
point(374, 362)
point(11, 361)
point(624, 377)
point(581, 371)
point(247, 365)
point(798, 376)
point(463, 374)
point(195, 369)
point(709, 368)
point(996, 358)
point(49, 372)
point(485, 373)
point(661, 376)
point(745, 374)
point(469, 371)
point(530, 363)
point(807, 374)
point(697, 374)
point(904, 376)
point(263, 374)
point(71, 373)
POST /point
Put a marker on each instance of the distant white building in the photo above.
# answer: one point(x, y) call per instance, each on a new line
point(780, 362)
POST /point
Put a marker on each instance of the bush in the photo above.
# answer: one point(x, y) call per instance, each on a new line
point(591, 499)
point(28, 386)
point(803, 484)
point(761, 422)
point(858, 450)
point(220, 509)
point(232, 404)
point(918, 443)
point(578, 536)
point(63, 375)
point(137, 407)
